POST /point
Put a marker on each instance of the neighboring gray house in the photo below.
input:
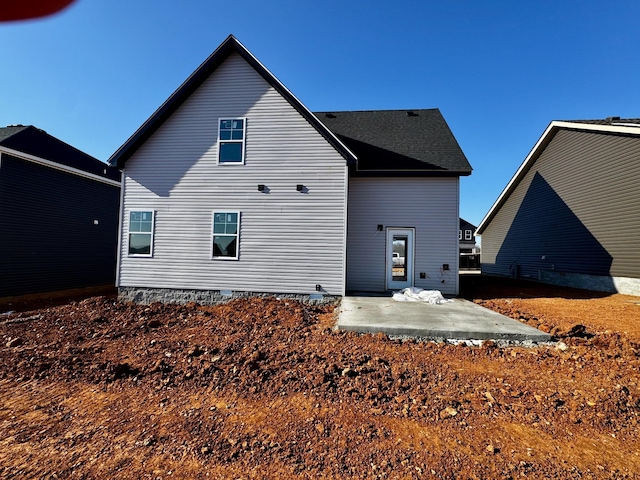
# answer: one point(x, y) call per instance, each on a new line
point(469, 250)
point(58, 215)
point(569, 216)
point(233, 186)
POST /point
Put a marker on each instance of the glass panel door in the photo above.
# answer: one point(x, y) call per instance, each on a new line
point(399, 258)
point(399, 266)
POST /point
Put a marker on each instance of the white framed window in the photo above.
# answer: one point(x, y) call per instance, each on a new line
point(225, 232)
point(459, 234)
point(231, 137)
point(141, 233)
point(468, 235)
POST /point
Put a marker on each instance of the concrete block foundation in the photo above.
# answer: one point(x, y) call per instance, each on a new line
point(145, 296)
point(598, 283)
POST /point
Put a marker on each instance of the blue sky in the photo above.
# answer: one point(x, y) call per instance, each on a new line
point(499, 71)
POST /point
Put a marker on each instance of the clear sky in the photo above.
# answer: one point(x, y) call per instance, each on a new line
point(499, 70)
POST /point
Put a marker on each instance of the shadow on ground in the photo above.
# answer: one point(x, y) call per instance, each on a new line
point(483, 287)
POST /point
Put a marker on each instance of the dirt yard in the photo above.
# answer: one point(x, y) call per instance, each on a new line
point(265, 388)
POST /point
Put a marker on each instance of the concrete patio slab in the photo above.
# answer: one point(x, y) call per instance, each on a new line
point(456, 320)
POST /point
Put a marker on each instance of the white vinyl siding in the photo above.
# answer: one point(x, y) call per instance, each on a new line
point(290, 241)
point(430, 206)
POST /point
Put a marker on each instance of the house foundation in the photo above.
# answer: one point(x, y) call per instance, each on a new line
point(598, 283)
point(145, 296)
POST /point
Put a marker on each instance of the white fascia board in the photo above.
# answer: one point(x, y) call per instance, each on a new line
point(540, 146)
point(626, 128)
point(58, 166)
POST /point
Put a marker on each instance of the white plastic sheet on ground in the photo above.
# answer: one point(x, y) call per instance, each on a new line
point(413, 294)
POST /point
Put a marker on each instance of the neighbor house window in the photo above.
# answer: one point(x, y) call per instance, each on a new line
point(231, 135)
point(459, 234)
point(226, 226)
point(141, 233)
point(467, 235)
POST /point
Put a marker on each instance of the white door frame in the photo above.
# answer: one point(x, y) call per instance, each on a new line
point(398, 282)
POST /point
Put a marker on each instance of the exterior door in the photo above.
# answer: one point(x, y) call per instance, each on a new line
point(400, 249)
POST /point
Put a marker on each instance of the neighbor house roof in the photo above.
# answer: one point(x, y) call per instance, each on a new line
point(610, 126)
point(197, 78)
point(38, 143)
point(612, 121)
point(399, 142)
point(464, 225)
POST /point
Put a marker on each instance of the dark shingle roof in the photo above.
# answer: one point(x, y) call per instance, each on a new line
point(399, 142)
point(36, 142)
point(608, 121)
point(6, 132)
point(464, 225)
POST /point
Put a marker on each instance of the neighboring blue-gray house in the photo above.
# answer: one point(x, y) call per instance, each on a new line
point(233, 186)
point(469, 250)
point(569, 215)
point(58, 215)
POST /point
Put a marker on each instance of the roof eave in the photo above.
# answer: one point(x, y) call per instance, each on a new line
point(411, 173)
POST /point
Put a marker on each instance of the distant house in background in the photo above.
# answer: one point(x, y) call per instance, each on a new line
point(58, 215)
point(233, 187)
point(569, 216)
point(469, 250)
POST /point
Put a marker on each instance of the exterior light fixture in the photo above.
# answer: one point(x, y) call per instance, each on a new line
point(261, 187)
point(299, 187)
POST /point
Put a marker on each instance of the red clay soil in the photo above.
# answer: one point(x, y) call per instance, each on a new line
point(265, 388)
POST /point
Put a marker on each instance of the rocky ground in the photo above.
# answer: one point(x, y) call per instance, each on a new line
point(265, 388)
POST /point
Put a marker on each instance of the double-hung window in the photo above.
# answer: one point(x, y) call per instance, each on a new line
point(141, 233)
point(468, 235)
point(226, 226)
point(231, 136)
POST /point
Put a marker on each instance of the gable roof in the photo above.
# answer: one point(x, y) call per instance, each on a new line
point(6, 132)
point(464, 225)
point(197, 78)
point(399, 142)
point(38, 143)
point(608, 126)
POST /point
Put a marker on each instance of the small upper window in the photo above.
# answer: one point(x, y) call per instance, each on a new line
point(459, 234)
point(231, 136)
point(141, 233)
point(225, 234)
point(468, 235)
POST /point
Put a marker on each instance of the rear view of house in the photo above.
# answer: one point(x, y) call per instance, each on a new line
point(569, 215)
point(58, 215)
point(234, 187)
